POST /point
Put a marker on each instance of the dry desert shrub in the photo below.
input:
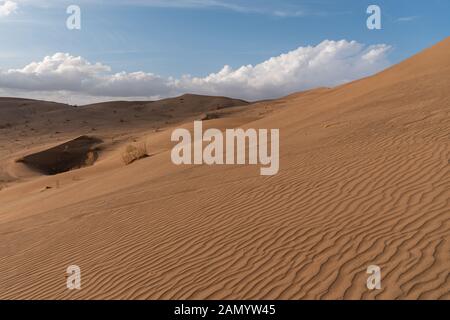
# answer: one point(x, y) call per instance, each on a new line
point(133, 153)
point(209, 116)
point(90, 158)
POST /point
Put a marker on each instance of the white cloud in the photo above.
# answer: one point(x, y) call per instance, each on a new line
point(276, 8)
point(7, 8)
point(407, 19)
point(284, 14)
point(230, 5)
point(328, 64)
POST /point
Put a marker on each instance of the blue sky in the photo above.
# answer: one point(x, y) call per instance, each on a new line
point(198, 37)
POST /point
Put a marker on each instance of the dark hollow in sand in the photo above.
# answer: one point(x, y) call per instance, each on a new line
point(75, 154)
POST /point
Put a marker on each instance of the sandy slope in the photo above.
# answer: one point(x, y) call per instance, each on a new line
point(364, 180)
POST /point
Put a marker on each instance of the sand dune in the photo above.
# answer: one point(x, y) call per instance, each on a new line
point(364, 179)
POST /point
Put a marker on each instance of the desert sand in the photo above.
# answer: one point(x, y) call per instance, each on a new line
point(364, 180)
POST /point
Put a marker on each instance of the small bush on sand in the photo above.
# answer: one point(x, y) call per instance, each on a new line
point(133, 153)
point(91, 157)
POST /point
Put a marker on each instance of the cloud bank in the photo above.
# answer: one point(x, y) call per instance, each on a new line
point(7, 8)
point(63, 76)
